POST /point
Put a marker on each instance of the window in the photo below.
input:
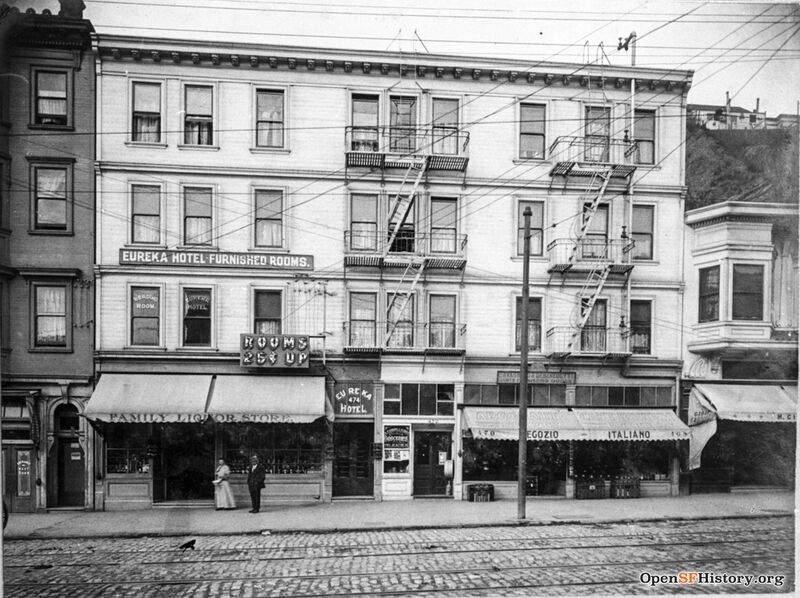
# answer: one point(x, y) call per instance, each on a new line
point(642, 232)
point(198, 122)
point(443, 225)
point(145, 214)
point(267, 312)
point(50, 316)
point(197, 317)
point(418, 399)
point(445, 126)
point(598, 134)
point(644, 134)
point(146, 113)
point(362, 319)
point(480, 394)
point(442, 321)
point(534, 324)
point(50, 211)
point(145, 315)
point(537, 227)
point(365, 124)
point(708, 310)
point(269, 218)
point(402, 124)
point(595, 242)
point(51, 98)
point(748, 292)
point(593, 334)
point(197, 216)
point(641, 325)
point(623, 396)
point(404, 240)
point(400, 320)
point(363, 222)
point(531, 131)
point(269, 118)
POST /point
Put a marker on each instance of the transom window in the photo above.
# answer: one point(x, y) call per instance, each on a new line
point(198, 124)
point(51, 98)
point(418, 399)
point(197, 317)
point(146, 113)
point(269, 218)
point(267, 316)
point(269, 118)
point(145, 214)
point(537, 227)
point(531, 131)
point(145, 315)
point(197, 215)
point(623, 396)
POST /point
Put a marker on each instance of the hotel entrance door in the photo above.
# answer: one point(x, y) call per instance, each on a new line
point(184, 466)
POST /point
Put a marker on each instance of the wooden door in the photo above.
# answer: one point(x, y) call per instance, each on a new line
point(431, 449)
point(352, 459)
point(71, 468)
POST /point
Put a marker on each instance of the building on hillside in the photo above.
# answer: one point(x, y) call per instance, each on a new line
point(713, 117)
point(46, 256)
point(740, 361)
point(316, 256)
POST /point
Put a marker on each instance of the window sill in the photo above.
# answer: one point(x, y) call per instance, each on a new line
point(257, 249)
point(145, 246)
point(145, 144)
point(533, 258)
point(145, 348)
point(270, 150)
point(205, 248)
point(57, 233)
point(202, 148)
point(38, 127)
point(49, 349)
point(208, 349)
point(643, 262)
point(519, 160)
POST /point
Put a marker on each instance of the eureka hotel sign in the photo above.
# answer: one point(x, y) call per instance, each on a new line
point(215, 259)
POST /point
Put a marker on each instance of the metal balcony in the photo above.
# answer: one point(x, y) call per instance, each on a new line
point(446, 148)
point(562, 341)
point(433, 338)
point(588, 254)
point(443, 250)
point(587, 156)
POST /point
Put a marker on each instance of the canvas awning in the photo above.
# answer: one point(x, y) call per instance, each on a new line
point(576, 424)
point(268, 399)
point(745, 402)
point(149, 398)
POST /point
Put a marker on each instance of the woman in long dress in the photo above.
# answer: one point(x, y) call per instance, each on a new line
point(223, 496)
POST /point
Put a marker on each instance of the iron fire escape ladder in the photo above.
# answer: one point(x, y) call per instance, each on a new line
point(417, 266)
point(404, 202)
point(588, 214)
point(594, 283)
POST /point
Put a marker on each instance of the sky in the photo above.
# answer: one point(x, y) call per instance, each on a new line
point(749, 49)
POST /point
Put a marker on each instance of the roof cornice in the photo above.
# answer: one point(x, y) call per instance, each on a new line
point(741, 211)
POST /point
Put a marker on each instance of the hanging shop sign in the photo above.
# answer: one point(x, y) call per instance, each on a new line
point(511, 377)
point(273, 350)
point(215, 259)
point(353, 400)
point(396, 443)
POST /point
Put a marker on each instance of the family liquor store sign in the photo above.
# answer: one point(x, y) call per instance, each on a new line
point(216, 259)
point(273, 350)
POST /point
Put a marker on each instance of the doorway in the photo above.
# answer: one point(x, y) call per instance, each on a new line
point(431, 450)
point(352, 459)
point(184, 466)
point(70, 460)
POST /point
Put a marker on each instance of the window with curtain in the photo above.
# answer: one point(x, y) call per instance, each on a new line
point(363, 222)
point(51, 315)
point(641, 327)
point(708, 308)
point(598, 134)
point(442, 321)
point(197, 215)
point(145, 315)
point(443, 225)
point(145, 214)
point(365, 124)
point(402, 124)
point(197, 317)
point(534, 324)
point(593, 334)
point(748, 292)
point(267, 316)
point(269, 218)
point(198, 123)
point(51, 98)
point(644, 133)
point(146, 112)
point(445, 126)
point(537, 227)
point(531, 131)
point(404, 241)
point(363, 310)
point(400, 320)
point(51, 198)
point(642, 232)
point(269, 118)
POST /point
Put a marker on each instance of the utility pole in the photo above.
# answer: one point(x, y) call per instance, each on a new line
point(522, 465)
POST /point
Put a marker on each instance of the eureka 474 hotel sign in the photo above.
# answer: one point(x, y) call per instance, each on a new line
point(215, 259)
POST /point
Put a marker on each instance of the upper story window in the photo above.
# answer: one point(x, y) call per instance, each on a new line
point(269, 118)
point(623, 396)
point(198, 121)
point(418, 399)
point(50, 315)
point(51, 106)
point(595, 241)
point(197, 220)
point(363, 222)
point(400, 320)
point(537, 227)
point(642, 232)
point(445, 126)
point(402, 123)
point(145, 316)
point(146, 112)
point(593, 333)
point(197, 317)
point(708, 309)
point(363, 310)
point(365, 123)
point(748, 292)
point(269, 218)
point(531, 131)
point(51, 203)
point(534, 324)
point(644, 133)
point(405, 239)
point(442, 321)
point(145, 214)
point(443, 225)
point(267, 312)
point(598, 133)
point(641, 326)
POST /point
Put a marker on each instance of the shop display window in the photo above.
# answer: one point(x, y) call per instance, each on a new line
point(284, 449)
point(396, 449)
point(641, 460)
point(126, 448)
point(497, 460)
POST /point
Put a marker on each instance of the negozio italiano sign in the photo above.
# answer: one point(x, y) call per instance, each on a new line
point(215, 259)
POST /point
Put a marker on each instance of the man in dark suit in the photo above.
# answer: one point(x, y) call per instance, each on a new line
point(255, 482)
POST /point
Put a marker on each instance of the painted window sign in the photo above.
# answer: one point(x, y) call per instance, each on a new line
point(353, 400)
point(217, 259)
point(396, 443)
point(273, 350)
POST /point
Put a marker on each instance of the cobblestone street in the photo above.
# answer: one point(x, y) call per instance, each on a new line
point(475, 561)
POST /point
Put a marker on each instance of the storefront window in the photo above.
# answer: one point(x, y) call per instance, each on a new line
point(283, 448)
point(643, 460)
point(480, 394)
point(496, 460)
point(126, 448)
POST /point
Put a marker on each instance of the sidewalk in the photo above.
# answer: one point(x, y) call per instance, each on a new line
point(365, 515)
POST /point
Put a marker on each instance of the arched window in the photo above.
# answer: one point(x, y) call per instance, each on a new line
point(66, 418)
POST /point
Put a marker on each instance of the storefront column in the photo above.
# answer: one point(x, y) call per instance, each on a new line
point(327, 454)
point(457, 456)
point(674, 473)
point(378, 439)
point(570, 477)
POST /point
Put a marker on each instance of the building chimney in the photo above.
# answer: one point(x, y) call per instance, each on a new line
point(758, 101)
point(728, 109)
